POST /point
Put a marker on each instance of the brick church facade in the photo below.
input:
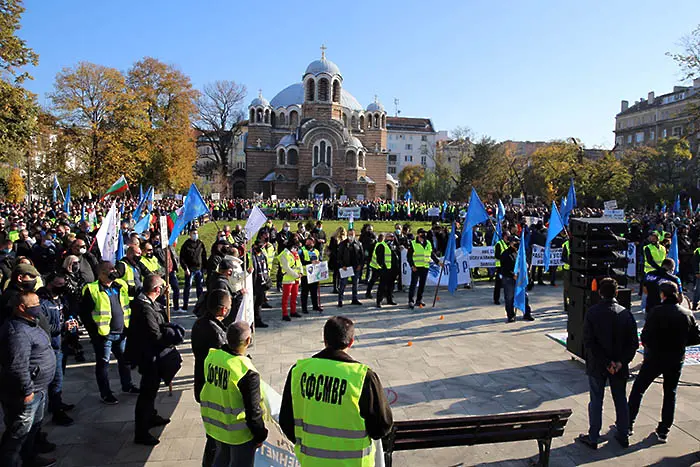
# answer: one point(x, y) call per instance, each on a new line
point(314, 138)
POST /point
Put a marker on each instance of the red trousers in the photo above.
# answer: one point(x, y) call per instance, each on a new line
point(289, 295)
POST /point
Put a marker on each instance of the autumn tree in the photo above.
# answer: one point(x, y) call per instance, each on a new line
point(15, 187)
point(219, 120)
point(107, 123)
point(170, 103)
point(486, 170)
point(409, 177)
point(18, 106)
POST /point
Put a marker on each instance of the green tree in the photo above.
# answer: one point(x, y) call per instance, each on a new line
point(488, 170)
point(609, 179)
point(409, 178)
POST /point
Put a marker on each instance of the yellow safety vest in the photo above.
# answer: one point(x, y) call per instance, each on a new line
point(151, 264)
point(294, 264)
point(269, 252)
point(13, 235)
point(309, 255)
point(328, 428)
point(565, 249)
point(129, 277)
point(657, 252)
point(421, 254)
point(387, 256)
point(500, 247)
point(221, 406)
point(102, 313)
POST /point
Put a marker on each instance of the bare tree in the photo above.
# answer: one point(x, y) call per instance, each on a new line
point(220, 120)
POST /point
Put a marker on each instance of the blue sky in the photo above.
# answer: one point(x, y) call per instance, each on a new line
point(522, 70)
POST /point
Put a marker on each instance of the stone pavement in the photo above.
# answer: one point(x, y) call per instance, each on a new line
point(469, 362)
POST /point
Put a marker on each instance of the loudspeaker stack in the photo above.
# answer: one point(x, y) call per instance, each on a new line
point(598, 249)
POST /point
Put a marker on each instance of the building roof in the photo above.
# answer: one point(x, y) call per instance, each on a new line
point(294, 95)
point(322, 66)
point(375, 106)
point(423, 125)
point(665, 99)
point(259, 101)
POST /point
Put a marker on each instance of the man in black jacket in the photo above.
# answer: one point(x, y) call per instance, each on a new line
point(610, 340)
point(350, 255)
point(261, 282)
point(508, 259)
point(654, 279)
point(145, 342)
point(27, 366)
point(208, 332)
point(338, 336)
point(193, 257)
point(669, 329)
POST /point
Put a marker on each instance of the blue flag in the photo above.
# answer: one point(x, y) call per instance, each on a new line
point(673, 251)
point(444, 209)
point(520, 300)
point(120, 245)
point(677, 205)
point(556, 225)
point(194, 207)
point(570, 203)
point(143, 224)
point(476, 214)
point(690, 205)
point(66, 202)
point(142, 203)
point(393, 207)
point(82, 214)
point(408, 197)
point(450, 261)
point(663, 208)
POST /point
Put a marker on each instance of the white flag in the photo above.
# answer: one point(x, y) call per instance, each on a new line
point(255, 221)
point(108, 235)
point(245, 311)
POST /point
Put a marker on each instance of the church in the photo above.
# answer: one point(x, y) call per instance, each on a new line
point(314, 138)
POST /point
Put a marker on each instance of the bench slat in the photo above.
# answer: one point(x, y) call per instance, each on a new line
point(486, 419)
point(474, 430)
point(474, 439)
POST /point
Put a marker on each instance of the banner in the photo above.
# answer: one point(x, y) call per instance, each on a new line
point(344, 213)
point(482, 257)
point(433, 212)
point(107, 237)
point(316, 272)
point(538, 256)
point(518, 201)
point(617, 214)
point(631, 260)
point(343, 198)
point(158, 196)
point(610, 205)
point(530, 220)
point(463, 273)
point(216, 196)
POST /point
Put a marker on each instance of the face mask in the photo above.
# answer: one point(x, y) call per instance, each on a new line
point(285, 229)
point(113, 275)
point(137, 258)
point(195, 237)
point(82, 251)
point(48, 243)
point(75, 267)
point(149, 255)
point(156, 242)
point(351, 238)
point(57, 291)
point(28, 286)
point(398, 232)
point(320, 228)
point(33, 311)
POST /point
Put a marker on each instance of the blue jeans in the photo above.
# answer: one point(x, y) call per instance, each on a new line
point(595, 405)
point(198, 279)
point(56, 386)
point(229, 455)
point(509, 296)
point(344, 282)
point(22, 423)
point(104, 345)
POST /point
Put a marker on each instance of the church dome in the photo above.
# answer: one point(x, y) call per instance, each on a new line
point(288, 140)
point(354, 142)
point(259, 101)
point(294, 95)
point(375, 106)
point(322, 66)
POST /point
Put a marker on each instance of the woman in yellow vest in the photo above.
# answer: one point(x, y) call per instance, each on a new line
point(231, 384)
point(292, 270)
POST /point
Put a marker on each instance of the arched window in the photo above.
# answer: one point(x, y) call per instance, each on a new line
point(376, 120)
point(323, 90)
point(293, 118)
point(353, 122)
point(267, 116)
point(362, 160)
point(350, 159)
point(280, 157)
point(362, 122)
point(383, 121)
point(369, 120)
point(252, 116)
point(260, 116)
point(292, 157)
point(345, 120)
point(336, 91)
point(322, 153)
point(310, 90)
point(281, 120)
point(273, 120)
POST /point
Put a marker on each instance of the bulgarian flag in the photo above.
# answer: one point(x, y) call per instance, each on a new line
point(172, 217)
point(117, 187)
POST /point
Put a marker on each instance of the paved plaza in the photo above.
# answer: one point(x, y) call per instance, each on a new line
point(464, 360)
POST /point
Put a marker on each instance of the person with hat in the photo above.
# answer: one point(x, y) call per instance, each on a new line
point(193, 257)
point(420, 253)
point(105, 314)
point(261, 281)
point(24, 278)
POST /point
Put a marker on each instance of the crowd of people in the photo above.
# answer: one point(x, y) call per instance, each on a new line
point(57, 291)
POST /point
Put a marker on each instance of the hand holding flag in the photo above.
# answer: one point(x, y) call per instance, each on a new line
point(556, 225)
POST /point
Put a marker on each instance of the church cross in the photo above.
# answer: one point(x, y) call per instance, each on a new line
point(323, 51)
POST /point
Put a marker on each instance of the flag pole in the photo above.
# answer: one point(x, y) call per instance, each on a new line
point(437, 286)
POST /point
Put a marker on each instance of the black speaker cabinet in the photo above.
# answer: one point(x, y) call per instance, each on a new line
point(597, 227)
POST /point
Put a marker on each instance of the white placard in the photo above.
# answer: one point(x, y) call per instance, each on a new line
point(343, 198)
point(216, 196)
point(617, 214)
point(316, 272)
point(164, 231)
point(361, 197)
point(346, 212)
point(538, 256)
point(518, 201)
point(157, 196)
point(348, 272)
point(631, 259)
point(245, 311)
point(433, 212)
point(482, 257)
point(256, 220)
point(531, 220)
point(273, 197)
point(612, 204)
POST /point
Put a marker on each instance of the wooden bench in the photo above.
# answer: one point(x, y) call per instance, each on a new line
point(469, 431)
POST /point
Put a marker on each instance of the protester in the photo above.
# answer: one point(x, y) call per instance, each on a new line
point(508, 259)
point(309, 255)
point(290, 264)
point(261, 281)
point(193, 257)
point(420, 253)
point(350, 256)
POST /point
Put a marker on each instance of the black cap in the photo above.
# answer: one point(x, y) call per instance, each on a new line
point(225, 265)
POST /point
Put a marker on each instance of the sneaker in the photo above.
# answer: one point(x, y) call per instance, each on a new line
point(133, 390)
point(528, 317)
point(260, 324)
point(496, 302)
point(319, 309)
point(411, 305)
point(39, 461)
point(110, 399)
point(60, 418)
point(662, 437)
point(146, 439)
point(356, 302)
point(157, 420)
point(586, 441)
point(623, 441)
point(421, 304)
point(511, 319)
point(286, 318)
